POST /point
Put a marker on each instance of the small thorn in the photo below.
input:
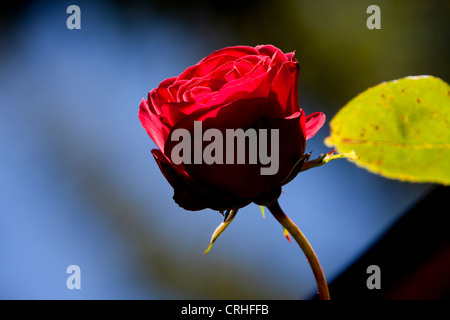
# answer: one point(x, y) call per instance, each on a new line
point(286, 234)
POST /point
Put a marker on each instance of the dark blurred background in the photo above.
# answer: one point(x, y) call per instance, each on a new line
point(78, 184)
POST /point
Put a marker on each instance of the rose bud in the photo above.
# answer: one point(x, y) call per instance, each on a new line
point(229, 130)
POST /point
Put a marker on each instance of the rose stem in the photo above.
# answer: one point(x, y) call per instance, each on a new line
point(287, 223)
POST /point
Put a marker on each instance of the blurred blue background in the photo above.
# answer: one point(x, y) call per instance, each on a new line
point(78, 184)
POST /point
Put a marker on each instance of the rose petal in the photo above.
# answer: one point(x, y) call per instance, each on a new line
point(236, 52)
point(314, 122)
point(168, 82)
point(199, 91)
point(175, 112)
point(152, 123)
point(191, 196)
point(245, 180)
point(214, 80)
point(167, 169)
point(246, 64)
point(161, 94)
point(284, 93)
point(291, 56)
point(216, 59)
point(233, 74)
point(276, 55)
point(205, 67)
point(254, 85)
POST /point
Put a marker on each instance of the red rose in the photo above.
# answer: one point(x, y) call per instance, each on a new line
point(233, 88)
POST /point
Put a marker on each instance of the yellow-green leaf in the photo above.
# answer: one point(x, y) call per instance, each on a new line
point(399, 129)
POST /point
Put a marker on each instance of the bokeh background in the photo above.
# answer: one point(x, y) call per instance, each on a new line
point(78, 184)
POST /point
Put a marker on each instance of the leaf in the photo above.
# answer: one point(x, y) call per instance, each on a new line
point(229, 216)
point(399, 129)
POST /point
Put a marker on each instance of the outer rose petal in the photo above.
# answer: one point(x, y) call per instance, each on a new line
point(314, 122)
point(277, 56)
point(290, 56)
point(236, 51)
point(162, 94)
point(153, 125)
point(190, 195)
point(284, 90)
